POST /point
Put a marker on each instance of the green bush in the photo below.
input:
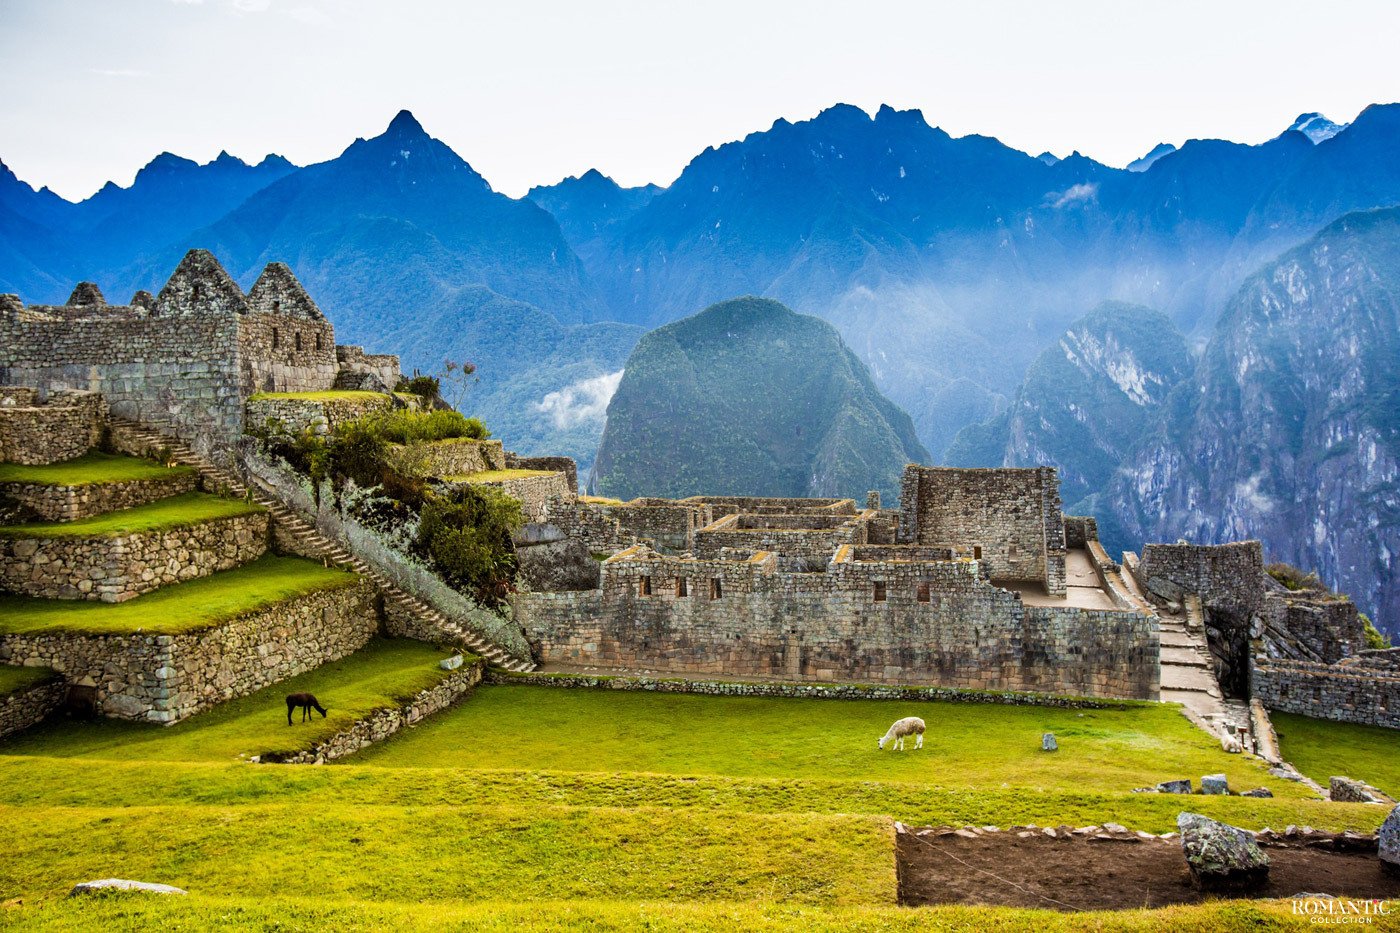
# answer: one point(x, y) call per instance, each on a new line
point(466, 533)
point(1374, 639)
point(425, 387)
point(1293, 578)
point(406, 427)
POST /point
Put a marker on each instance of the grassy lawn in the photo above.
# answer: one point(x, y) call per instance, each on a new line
point(968, 744)
point(191, 508)
point(329, 395)
point(88, 469)
point(181, 608)
point(199, 912)
point(1321, 748)
point(383, 674)
point(15, 679)
point(496, 476)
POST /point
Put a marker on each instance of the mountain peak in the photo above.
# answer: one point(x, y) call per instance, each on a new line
point(1144, 163)
point(405, 124)
point(1315, 127)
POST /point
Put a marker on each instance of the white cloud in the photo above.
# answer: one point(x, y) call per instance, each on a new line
point(251, 6)
point(584, 400)
point(120, 72)
point(1075, 194)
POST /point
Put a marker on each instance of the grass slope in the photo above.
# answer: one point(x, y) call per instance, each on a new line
point(383, 674)
point(15, 679)
point(968, 744)
point(89, 469)
point(191, 508)
point(181, 608)
point(1321, 748)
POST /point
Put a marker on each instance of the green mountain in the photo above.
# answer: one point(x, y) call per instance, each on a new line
point(1084, 402)
point(748, 397)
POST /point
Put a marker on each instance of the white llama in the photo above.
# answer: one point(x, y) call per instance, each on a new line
point(910, 725)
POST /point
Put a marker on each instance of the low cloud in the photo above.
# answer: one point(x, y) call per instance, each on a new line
point(1075, 194)
point(584, 400)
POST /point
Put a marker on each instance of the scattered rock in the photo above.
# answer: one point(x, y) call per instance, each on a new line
point(1215, 784)
point(1389, 841)
point(1115, 828)
point(1050, 832)
point(1174, 787)
point(1258, 792)
point(452, 663)
point(121, 884)
point(1286, 773)
point(1221, 857)
point(965, 833)
point(1048, 743)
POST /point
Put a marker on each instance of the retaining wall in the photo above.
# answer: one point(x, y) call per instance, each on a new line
point(24, 708)
point(65, 426)
point(1328, 691)
point(70, 503)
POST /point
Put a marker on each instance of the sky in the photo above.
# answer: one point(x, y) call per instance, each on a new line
point(530, 91)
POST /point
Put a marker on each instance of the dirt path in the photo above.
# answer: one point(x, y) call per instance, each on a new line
point(1069, 872)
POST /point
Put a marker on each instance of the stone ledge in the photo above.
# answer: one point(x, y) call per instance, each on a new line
point(790, 690)
point(385, 723)
point(57, 503)
point(30, 705)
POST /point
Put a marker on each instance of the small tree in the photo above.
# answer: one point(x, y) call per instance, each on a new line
point(467, 534)
point(455, 381)
point(1374, 639)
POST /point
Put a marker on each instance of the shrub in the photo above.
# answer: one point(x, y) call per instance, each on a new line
point(1293, 578)
point(466, 533)
point(406, 427)
point(425, 387)
point(1374, 639)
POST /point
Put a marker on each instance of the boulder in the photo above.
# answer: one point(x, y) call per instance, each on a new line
point(1388, 841)
point(1215, 784)
point(1221, 857)
point(1257, 792)
point(1048, 743)
point(1174, 787)
point(121, 884)
point(452, 663)
point(1346, 790)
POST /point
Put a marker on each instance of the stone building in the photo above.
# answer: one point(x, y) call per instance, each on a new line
point(186, 359)
point(964, 586)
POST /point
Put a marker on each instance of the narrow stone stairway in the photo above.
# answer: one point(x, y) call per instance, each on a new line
point(314, 542)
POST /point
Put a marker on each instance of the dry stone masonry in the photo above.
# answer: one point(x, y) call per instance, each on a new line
point(39, 427)
point(27, 706)
point(60, 503)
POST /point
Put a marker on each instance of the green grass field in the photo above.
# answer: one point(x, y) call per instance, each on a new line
point(191, 508)
point(1321, 748)
point(550, 809)
point(92, 467)
point(185, 607)
point(14, 679)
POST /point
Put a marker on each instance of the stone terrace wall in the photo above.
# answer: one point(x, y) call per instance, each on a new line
point(115, 569)
point(534, 492)
point(670, 525)
point(166, 678)
point(382, 366)
point(894, 622)
point(565, 465)
point(721, 506)
point(68, 425)
point(1328, 691)
point(1012, 514)
point(807, 537)
point(385, 723)
point(319, 416)
point(594, 525)
point(458, 456)
point(70, 503)
point(1228, 577)
point(1375, 659)
point(1320, 627)
point(24, 708)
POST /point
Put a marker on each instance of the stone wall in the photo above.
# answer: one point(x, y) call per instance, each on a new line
point(534, 492)
point(807, 691)
point(813, 538)
point(1013, 515)
point(166, 678)
point(721, 506)
point(24, 708)
point(1227, 577)
point(56, 503)
point(1328, 691)
point(456, 456)
point(294, 416)
point(1314, 626)
point(1079, 531)
point(383, 367)
point(884, 621)
point(565, 465)
point(65, 425)
point(592, 524)
point(115, 569)
point(385, 723)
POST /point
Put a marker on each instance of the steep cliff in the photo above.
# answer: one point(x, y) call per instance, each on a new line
point(1289, 430)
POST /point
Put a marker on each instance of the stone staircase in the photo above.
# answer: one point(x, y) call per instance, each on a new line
point(311, 541)
point(1188, 672)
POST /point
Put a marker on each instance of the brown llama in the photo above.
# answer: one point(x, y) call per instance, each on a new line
point(307, 702)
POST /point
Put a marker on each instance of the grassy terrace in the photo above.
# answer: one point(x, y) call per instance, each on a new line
point(537, 808)
point(383, 674)
point(1320, 749)
point(496, 476)
point(89, 469)
point(329, 395)
point(14, 679)
point(186, 607)
point(192, 508)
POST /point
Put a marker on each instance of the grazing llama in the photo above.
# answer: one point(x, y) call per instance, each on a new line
point(910, 725)
point(1230, 743)
point(307, 702)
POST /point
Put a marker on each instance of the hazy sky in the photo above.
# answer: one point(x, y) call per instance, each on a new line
point(529, 91)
